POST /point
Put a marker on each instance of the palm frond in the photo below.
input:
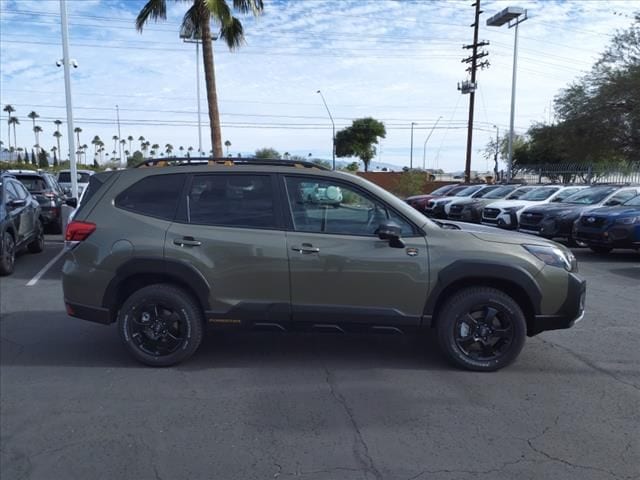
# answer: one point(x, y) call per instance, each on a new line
point(153, 9)
point(190, 27)
point(249, 6)
point(232, 33)
point(220, 11)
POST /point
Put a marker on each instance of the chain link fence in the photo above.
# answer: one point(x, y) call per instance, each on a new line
point(577, 173)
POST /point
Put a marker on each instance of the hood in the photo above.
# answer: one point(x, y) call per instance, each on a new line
point(495, 235)
point(557, 208)
point(617, 211)
point(421, 198)
point(511, 203)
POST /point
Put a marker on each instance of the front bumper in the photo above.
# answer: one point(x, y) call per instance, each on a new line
point(613, 236)
point(569, 313)
point(550, 227)
point(437, 211)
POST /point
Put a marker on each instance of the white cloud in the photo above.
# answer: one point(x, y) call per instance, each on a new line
point(396, 61)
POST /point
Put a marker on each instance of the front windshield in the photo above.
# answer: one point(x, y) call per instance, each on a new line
point(455, 191)
point(590, 196)
point(467, 192)
point(634, 202)
point(441, 190)
point(538, 194)
point(500, 192)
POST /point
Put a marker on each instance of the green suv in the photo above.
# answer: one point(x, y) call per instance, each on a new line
point(236, 244)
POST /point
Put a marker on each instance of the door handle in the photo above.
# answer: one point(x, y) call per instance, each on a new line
point(187, 242)
point(305, 248)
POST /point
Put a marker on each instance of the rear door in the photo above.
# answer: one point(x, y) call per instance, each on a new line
point(230, 228)
point(341, 272)
point(28, 213)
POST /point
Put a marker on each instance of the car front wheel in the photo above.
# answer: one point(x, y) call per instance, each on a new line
point(481, 329)
point(8, 256)
point(161, 325)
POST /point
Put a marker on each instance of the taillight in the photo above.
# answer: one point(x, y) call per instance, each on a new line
point(78, 231)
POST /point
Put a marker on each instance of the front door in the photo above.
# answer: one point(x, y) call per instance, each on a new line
point(232, 234)
point(341, 272)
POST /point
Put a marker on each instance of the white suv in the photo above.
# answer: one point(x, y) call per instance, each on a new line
point(64, 180)
point(506, 213)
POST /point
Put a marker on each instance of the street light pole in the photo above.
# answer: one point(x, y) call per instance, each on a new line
point(198, 94)
point(119, 135)
point(512, 16)
point(67, 90)
point(411, 157)
point(333, 127)
point(424, 147)
point(495, 156)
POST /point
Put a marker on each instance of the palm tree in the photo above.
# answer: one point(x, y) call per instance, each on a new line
point(14, 121)
point(168, 148)
point(96, 143)
point(37, 130)
point(181, 148)
point(141, 140)
point(77, 131)
point(85, 147)
point(227, 144)
point(154, 149)
point(115, 139)
point(57, 135)
point(130, 138)
point(33, 115)
point(9, 109)
point(189, 150)
point(196, 24)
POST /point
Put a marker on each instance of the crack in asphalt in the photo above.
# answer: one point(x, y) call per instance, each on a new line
point(474, 472)
point(361, 454)
point(589, 363)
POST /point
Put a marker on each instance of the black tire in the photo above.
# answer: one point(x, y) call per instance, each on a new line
point(167, 313)
point(494, 323)
point(8, 255)
point(600, 250)
point(37, 244)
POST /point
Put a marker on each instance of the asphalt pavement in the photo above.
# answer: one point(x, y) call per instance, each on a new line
point(74, 405)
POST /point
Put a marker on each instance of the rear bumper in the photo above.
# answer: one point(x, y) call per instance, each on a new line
point(90, 313)
point(570, 313)
point(50, 214)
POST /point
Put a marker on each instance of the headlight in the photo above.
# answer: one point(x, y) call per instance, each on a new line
point(513, 209)
point(554, 256)
point(628, 220)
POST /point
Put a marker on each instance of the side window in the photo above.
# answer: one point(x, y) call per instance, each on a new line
point(10, 192)
point(155, 196)
point(22, 192)
point(323, 206)
point(226, 200)
point(621, 197)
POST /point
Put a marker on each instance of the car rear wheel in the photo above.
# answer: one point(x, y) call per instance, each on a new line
point(481, 329)
point(37, 244)
point(8, 256)
point(600, 250)
point(161, 325)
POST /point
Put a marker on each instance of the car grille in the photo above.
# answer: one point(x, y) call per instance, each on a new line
point(593, 222)
point(531, 219)
point(491, 212)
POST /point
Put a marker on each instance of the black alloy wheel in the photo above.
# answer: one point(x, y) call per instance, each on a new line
point(8, 257)
point(484, 333)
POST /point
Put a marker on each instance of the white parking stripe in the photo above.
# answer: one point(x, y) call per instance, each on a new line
point(39, 275)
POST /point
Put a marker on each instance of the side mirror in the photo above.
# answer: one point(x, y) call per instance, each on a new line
point(612, 203)
point(72, 202)
point(390, 231)
point(17, 203)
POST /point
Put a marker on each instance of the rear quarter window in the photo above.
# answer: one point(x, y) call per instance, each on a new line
point(155, 196)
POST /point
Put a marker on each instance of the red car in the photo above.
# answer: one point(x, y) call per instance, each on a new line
point(419, 202)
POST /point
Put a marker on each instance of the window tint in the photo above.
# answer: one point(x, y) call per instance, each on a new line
point(621, 197)
point(10, 192)
point(232, 201)
point(64, 177)
point(21, 191)
point(634, 202)
point(33, 182)
point(327, 207)
point(155, 196)
point(566, 193)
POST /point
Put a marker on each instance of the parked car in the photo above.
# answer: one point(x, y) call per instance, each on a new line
point(419, 202)
point(64, 180)
point(606, 228)
point(45, 189)
point(506, 213)
point(438, 207)
point(470, 209)
point(20, 225)
point(164, 251)
point(555, 220)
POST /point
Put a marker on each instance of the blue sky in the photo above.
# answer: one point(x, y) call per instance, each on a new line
point(398, 61)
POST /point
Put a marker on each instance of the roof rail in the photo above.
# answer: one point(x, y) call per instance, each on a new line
point(170, 162)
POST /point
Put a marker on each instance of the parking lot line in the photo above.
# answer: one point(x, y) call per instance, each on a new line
point(44, 269)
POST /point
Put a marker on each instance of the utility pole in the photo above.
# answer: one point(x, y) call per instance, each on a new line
point(495, 157)
point(411, 157)
point(470, 87)
point(67, 88)
point(119, 135)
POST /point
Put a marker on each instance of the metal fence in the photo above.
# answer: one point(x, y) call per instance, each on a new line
point(577, 173)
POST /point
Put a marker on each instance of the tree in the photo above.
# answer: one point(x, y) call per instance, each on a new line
point(135, 159)
point(358, 140)
point(227, 144)
point(33, 115)
point(19, 159)
point(37, 130)
point(189, 150)
point(14, 121)
point(196, 24)
point(154, 149)
point(168, 148)
point(33, 158)
point(55, 157)
point(43, 161)
point(96, 143)
point(115, 139)
point(268, 154)
point(57, 136)
point(352, 167)
point(130, 139)
point(9, 109)
point(141, 140)
point(77, 131)
point(323, 163)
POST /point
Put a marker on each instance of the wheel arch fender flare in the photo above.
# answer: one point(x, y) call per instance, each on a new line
point(157, 270)
point(463, 273)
